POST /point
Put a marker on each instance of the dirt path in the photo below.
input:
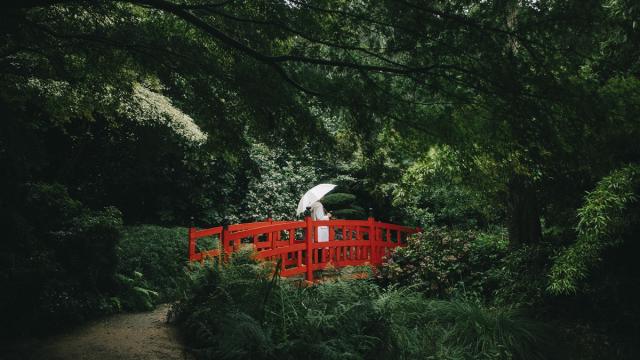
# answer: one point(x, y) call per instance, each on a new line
point(140, 336)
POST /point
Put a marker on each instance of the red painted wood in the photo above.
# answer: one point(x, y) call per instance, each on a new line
point(310, 252)
point(192, 245)
point(302, 256)
point(206, 232)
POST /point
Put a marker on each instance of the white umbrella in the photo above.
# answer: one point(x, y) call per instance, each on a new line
point(313, 195)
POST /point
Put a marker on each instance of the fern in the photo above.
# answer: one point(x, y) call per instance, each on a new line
point(246, 312)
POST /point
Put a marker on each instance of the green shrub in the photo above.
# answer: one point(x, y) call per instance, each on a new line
point(442, 261)
point(338, 200)
point(520, 277)
point(61, 268)
point(349, 214)
point(160, 254)
point(241, 310)
point(342, 206)
point(134, 293)
point(49, 206)
point(87, 249)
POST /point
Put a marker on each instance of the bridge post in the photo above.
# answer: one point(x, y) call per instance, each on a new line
point(310, 251)
point(270, 237)
point(221, 247)
point(373, 240)
point(192, 245)
point(226, 248)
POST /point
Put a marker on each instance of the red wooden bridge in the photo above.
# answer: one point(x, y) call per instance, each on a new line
point(351, 242)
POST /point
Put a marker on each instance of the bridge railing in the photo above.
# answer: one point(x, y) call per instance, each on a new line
point(351, 242)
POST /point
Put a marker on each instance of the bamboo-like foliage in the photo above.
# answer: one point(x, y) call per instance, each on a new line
point(601, 220)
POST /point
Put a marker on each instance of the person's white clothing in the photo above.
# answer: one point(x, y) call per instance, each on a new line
point(318, 213)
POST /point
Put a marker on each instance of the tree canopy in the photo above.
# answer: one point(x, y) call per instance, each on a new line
point(473, 115)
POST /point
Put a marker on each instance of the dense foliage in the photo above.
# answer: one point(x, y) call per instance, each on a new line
point(158, 255)
point(484, 122)
point(607, 214)
point(242, 310)
point(441, 263)
point(61, 269)
point(442, 188)
point(279, 184)
point(343, 206)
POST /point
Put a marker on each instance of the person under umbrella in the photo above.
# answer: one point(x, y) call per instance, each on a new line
point(318, 213)
point(313, 195)
point(311, 200)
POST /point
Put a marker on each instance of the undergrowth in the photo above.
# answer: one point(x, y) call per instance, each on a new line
point(242, 310)
point(157, 255)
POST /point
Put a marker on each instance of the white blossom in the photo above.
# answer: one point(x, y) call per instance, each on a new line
point(150, 106)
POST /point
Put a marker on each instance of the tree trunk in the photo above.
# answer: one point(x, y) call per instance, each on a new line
point(523, 213)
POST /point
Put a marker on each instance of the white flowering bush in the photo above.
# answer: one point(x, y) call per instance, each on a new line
point(282, 180)
point(149, 106)
point(65, 100)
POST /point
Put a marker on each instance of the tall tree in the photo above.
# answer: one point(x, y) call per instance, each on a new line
point(518, 80)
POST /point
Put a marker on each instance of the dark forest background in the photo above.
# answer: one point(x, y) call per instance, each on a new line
point(507, 129)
